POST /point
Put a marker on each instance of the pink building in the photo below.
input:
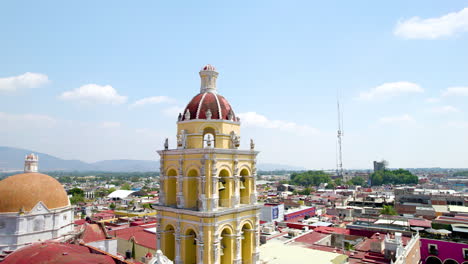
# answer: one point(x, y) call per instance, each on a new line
point(443, 252)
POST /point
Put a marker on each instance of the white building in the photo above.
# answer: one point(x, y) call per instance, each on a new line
point(33, 207)
point(272, 213)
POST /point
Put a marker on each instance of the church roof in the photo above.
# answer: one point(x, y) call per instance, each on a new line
point(202, 102)
point(24, 191)
point(51, 252)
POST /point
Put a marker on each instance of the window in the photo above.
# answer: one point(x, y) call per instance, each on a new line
point(433, 249)
point(465, 253)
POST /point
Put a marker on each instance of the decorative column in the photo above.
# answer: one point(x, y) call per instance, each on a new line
point(200, 249)
point(201, 186)
point(180, 186)
point(256, 257)
point(253, 195)
point(200, 246)
point(216, 250)
point(238, 254)
point(162, 179)
point(178, 259)
point(215, 193)
point(236, 197)
point(214, 185)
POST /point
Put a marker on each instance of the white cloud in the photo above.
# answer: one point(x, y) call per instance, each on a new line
point(458, 124)
point(93, 93)
point(432, 100)
point(24, 121)
point(23, 81)
point(173, 111)
point(152, 100)
point(254, 119)
point(390, 90)
point(455, 91)
point(396, 119)
point(444, 109)
point(433, 28)
point(110, 124)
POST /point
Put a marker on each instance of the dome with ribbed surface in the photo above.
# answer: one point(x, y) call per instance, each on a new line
point(217, 105)
point(24, 191)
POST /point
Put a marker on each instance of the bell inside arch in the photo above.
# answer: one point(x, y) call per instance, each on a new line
point(221, 186)
point(242, 185)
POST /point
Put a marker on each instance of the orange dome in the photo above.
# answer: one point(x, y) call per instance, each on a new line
point(27, 189)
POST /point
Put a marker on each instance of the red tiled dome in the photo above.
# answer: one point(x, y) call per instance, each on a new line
point(217, 104)
point(208, 67)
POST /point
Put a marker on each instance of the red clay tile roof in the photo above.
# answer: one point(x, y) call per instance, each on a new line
point(332, 230)
point(55, 253)
point(142, 237)
point(311, 238)
point(420, 222)
point(93, 232)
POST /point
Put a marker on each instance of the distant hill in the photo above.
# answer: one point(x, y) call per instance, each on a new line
point(273, 167)
point(12, 159)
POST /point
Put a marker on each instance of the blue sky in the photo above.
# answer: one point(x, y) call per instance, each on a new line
point(400, 66)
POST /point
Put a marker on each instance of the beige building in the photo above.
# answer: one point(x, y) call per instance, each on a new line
point(208, 211)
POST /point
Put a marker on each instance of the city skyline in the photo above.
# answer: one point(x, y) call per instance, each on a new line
point(95, 76)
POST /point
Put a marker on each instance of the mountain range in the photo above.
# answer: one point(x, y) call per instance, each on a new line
point(11, 159)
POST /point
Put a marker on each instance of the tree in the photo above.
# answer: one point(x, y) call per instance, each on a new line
point(125, 186)
point(310, 178)
point(358, 180)
point(399, 176)
point(101, 192)
point(388, 210)
point(112, 206)
point(111, 190)
point(338, 181)
point(76, 191)
point(77, 199)
point(306, 191)
point(147, 206)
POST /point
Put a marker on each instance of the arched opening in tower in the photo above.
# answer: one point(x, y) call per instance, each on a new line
point(190, 247)
point(171, 188)
point(168, 242)
point(245, 186)
point(227, 246)
point(191, 189)
point(209, 139)
point(224, 188)
point(247, 243)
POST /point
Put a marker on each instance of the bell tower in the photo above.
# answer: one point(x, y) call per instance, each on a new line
point(31, 163)
point(208, 211)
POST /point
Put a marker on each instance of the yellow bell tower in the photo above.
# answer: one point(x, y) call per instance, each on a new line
point(208, 211)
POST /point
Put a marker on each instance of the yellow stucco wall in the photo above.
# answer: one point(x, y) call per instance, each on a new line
point(140, 251)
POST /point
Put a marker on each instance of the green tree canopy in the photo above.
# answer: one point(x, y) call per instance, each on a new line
point(388, 210)
point(125, 186)
point(358, 180)
point(310, 178)
point(399, 176)
point(76, 199)
point(76, 191)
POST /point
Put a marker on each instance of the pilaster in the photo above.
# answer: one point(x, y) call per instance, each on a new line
point(178, 257)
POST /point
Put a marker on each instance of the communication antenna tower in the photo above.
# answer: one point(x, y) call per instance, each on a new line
point(339, 163)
